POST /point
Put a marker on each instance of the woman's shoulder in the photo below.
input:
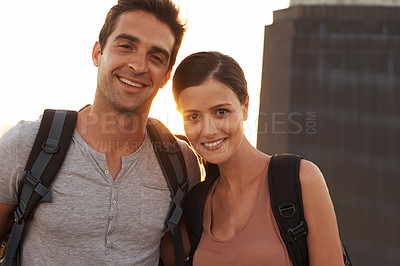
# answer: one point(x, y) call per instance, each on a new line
point(323, 236)
point(310, 174)
point(315, 192)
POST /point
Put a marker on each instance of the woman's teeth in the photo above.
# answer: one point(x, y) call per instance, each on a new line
point(213, 144)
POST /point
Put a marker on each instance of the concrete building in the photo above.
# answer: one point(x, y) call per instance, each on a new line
point(331, 92)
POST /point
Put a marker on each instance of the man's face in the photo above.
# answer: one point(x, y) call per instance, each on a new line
point(133, 65)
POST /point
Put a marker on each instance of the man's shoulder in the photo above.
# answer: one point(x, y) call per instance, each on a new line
point(185, 147)
point(188, 152)
point(24, 132)
point(192, 163)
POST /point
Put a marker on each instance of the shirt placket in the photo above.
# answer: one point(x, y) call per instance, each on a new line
point(113, 212)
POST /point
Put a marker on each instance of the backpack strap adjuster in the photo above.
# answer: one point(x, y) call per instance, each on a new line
point(287, 210)
point(30, 180)
point(35, 184)
point(296, 232)
point(184, 186)
point(50, 146)
point(17, 216)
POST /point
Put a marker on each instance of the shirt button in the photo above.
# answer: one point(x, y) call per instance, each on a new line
point(114, 202)
point(111, 218)
point(106, 172)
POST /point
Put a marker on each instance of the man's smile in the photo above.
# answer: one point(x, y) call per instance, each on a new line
point(131, 83)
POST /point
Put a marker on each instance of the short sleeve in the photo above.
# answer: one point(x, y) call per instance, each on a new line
point(15, 147)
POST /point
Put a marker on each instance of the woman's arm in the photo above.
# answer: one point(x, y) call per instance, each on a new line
point(324, 246)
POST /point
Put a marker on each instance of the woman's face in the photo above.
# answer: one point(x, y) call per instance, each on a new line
point(213, 119)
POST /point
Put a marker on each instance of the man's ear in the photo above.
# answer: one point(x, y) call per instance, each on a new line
point(96, 54)
point(166, 78)
point(246, 109)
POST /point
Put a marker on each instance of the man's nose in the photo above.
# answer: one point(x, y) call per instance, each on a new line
point(138, 62)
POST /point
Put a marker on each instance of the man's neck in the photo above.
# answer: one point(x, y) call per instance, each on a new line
point(111, 132)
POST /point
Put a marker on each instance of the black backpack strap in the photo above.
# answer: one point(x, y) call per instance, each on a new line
point(287, 205)
point(193, 208)
point(346, 258)
point(47, 154)
point(173, 165)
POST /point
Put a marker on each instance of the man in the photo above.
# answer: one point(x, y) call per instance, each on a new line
point(110, 198)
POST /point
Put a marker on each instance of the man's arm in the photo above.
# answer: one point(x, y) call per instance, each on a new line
point(5, 223)
point(15, 146)
point(167, 246)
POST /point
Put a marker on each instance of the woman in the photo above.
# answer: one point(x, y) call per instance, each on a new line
point(238, 226)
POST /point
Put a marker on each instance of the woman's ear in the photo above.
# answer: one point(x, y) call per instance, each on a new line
point(96, 53)
point(246, 109)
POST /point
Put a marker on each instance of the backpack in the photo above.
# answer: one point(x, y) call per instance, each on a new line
point(286, 204)
point(46, 157)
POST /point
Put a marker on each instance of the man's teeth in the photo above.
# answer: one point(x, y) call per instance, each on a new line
point(131, 83)
point(213, 144)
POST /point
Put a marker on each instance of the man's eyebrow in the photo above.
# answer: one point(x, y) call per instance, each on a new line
point(137, 40)
point(128, 37)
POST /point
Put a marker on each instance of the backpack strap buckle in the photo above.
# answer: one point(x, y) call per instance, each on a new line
point(27, 178)
point(175, 210)
point(35, 184)
point(294, 233)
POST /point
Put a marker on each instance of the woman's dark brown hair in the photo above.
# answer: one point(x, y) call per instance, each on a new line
point(197, 68)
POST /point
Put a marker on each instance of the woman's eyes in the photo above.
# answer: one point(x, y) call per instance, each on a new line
point(193, 116)
point(218, 114)
point(222, 112)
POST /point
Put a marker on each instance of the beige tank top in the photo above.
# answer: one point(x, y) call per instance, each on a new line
point(259, 243)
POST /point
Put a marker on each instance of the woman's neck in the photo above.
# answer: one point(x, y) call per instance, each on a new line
point(245, 165)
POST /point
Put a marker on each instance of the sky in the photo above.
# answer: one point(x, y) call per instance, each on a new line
point(46, 52)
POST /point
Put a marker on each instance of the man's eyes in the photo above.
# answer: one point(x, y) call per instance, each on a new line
point(157, 58)
point(154, 57)
point(126, 46)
